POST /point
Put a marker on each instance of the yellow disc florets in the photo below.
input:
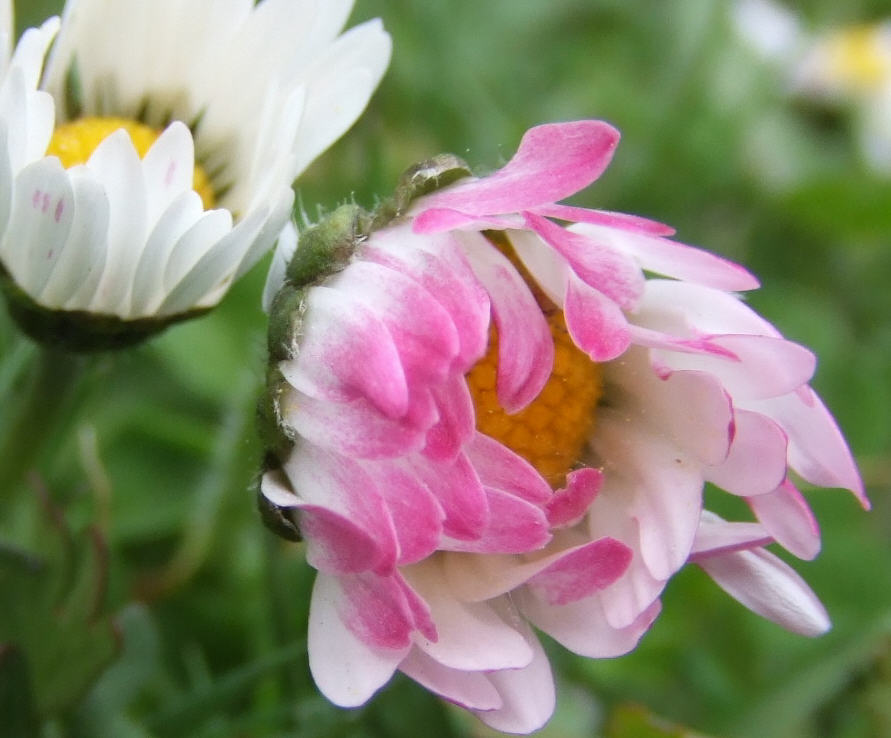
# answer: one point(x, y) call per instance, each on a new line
point(75, 141)
point(552, 431)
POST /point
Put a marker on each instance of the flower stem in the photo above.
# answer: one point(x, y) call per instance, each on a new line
point(34, 412)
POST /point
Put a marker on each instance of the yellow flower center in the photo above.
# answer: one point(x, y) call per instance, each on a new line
point(859, 56)
point(75, 141)
point(552, 431)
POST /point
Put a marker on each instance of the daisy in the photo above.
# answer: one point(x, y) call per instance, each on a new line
point(847, 67)
point(484, 421)
point(147, 150)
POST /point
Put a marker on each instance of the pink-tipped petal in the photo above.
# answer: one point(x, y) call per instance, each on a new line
point(455, 426)
point(335, 544)
point(582, 626)
point(581, 572)
point(788, 518)
point(438, 265)
point(416, 514)
point(602, 268)
point(437, 220)
point(769, 587)
point(458, 490)
point(344, 666)
point(525, 347)
point(671, 258)
point(569, 505)
point(346, 352)
point(515, 527)
point(595, 323)
point(622, 221)
point(500, 468)
point(765, 366)
point(817, 449)
point(553, 161)
point(354, 428)
point(341, 496)
point(756, 464)
point(422, 330)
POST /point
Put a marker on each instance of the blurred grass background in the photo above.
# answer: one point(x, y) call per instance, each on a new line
point(161, 450)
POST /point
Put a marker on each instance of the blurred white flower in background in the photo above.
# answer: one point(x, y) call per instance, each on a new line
point(848, 67)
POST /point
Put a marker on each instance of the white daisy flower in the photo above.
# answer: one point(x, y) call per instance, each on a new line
point(146, 162)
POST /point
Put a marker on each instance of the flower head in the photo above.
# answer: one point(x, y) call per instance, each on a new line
point(147, 161)
point(848, 66)
point(482, 420)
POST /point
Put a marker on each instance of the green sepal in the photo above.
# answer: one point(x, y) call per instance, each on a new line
point(327, 247)
point(418, 180)
point(273, 434)
point(285, 322)
point(79, 330)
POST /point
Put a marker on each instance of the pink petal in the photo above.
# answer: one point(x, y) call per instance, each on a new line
point(470, 635)
point(515, 526)
point(568, 505)
point(437, 220)
point(525, 347)
point(717, 537)
point(671, 258)
point(690, 407)
point(702, 310)
point(338, 495)
point(345, 667)
point(527, 694)
point(756, 464)
point(469, 689)
point(769, 587)
point(602, 268)
point(657, 485)
point(439, 266)
point(422, 330)
point(788, 518)
point(581, 572)
point(458, 490)
point(622, 221)
point(766, 366)
point(456, 424)
point(582, 626)
point(595, 322)
point(356, 428)
point(500, 468)
point(817, 449)
point(346, 352)
point(553, 161)
point(380, 611)
point(417, 516)
point(637, 589)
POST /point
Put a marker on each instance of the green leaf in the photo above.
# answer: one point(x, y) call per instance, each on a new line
point(53, 614)
point(16, 701)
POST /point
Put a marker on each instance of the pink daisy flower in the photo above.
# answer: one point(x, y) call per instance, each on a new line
point(483, 422)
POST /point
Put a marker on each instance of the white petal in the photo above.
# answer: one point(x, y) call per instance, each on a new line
point(769, 587)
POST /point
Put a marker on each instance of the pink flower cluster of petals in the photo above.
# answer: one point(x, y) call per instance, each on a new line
point(439, 550)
